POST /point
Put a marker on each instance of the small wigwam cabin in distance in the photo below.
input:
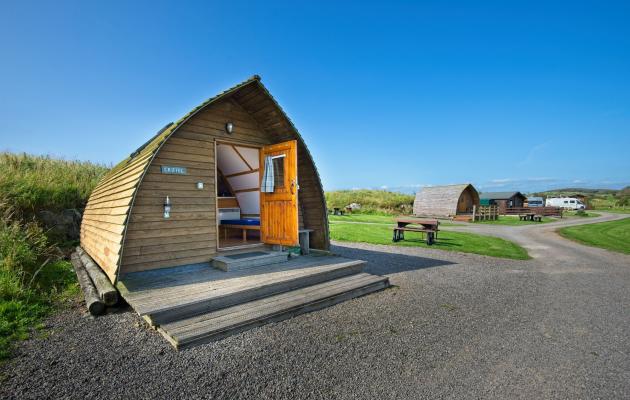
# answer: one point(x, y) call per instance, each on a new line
point(448, 201)
point(194, 226)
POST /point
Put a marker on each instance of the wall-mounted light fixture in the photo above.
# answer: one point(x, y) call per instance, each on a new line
point(199, 185)
point(167, 208)
point(229, 127)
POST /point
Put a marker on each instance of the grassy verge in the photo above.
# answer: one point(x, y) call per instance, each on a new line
point(613, 235)
point(371, 201)
point(22, 310)
point(447, 240)
point(514, 220)
point(580, 214)
point(371, 219)
point(368, 218)
point(615, 210)
point(34, 273)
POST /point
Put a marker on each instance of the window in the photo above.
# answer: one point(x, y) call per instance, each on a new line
point(278, 171)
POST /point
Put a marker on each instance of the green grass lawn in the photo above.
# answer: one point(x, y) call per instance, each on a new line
point(616, 210)
point(372, 219)
point(584, 214)
point(514, 220)
point(447, 240)
point(613, 235)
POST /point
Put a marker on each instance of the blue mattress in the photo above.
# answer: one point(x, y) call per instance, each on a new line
point(242, 221)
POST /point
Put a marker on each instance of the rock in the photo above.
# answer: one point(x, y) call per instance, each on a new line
point(65, 224)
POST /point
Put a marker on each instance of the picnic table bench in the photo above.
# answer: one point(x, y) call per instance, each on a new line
point(424, 226)
point(530, 217)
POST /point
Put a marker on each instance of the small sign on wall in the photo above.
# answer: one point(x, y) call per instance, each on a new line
point(168, 169)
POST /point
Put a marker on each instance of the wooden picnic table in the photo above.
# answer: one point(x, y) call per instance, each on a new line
point(530, 217)
point(428, 226)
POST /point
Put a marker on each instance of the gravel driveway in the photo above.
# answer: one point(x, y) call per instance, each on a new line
point(454, 326)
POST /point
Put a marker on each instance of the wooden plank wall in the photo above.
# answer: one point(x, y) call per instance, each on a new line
point(189, 235)
point(106, 212)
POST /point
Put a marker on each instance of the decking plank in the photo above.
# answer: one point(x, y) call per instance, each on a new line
point(147, 302)
point(219, 317)
point(258, 312)
point(210, 293)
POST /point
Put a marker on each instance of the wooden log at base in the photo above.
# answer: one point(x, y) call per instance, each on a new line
point(106, 291)
point(93, 302)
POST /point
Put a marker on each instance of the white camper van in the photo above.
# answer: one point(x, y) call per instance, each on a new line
point(570, 203)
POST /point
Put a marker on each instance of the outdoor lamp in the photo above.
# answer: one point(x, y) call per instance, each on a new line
point(229, 127)
point(167, 208)
point(199, 185)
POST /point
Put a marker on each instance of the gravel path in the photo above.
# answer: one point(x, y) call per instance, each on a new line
point(454, 326)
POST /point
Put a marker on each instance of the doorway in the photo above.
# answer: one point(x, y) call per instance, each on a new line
point(238, 195)
point(256, 193)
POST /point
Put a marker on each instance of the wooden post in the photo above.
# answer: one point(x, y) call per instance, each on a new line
point(94, 304)
point(474, 212)
point(106, 291)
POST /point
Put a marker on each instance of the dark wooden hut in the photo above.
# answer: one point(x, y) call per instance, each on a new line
point(503, 200)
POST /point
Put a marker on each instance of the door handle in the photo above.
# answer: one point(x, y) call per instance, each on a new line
point(294, 186)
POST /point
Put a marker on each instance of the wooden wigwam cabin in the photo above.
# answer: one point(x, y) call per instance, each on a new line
point(447, 201)
point(194, 226)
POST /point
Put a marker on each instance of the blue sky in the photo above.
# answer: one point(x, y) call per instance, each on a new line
point(507, 95)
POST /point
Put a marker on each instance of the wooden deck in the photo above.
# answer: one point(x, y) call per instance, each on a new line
point(197, 303)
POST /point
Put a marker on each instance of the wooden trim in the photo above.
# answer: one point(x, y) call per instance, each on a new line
point(226, 182)
point(241, 173)
point(247, 190)
point(242, 158)
point(239, 143)
point(216, 195)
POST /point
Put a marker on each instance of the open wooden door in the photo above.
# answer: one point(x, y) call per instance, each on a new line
point(279, 208)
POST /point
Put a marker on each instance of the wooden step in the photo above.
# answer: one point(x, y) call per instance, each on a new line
point(198, 299)
point(234, 262)
point(231, 320)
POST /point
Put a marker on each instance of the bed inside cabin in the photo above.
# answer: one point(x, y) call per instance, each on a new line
point(238, 195)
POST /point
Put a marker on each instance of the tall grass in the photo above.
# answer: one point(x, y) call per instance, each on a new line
point(33, 183)
point(372, 201)
point(33, 272)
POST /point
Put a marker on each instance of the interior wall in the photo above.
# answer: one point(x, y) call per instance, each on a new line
point(239, 165)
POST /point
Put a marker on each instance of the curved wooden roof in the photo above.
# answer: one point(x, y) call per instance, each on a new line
point(105, 218)
point(441, 200)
